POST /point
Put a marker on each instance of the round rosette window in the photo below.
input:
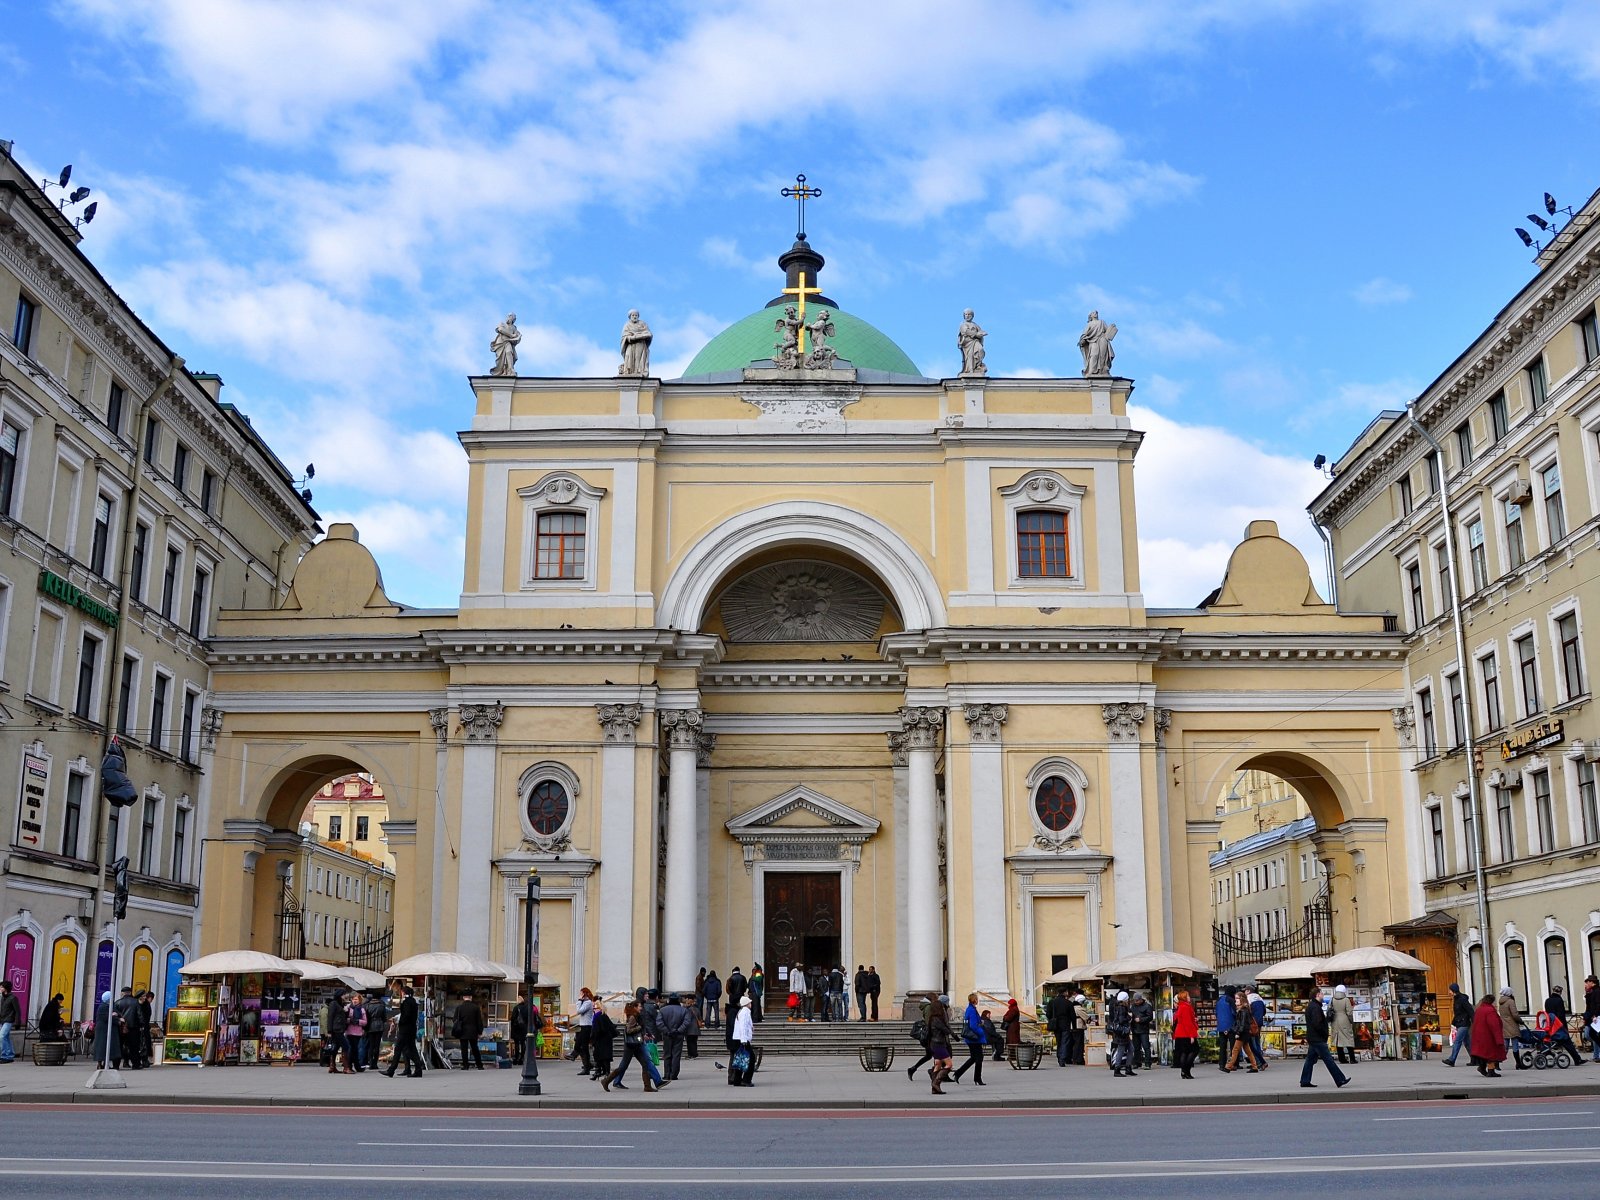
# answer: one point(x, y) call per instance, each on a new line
point(548, 806)
point(1055, 804)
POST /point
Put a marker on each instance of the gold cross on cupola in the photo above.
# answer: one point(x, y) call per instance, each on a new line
point(802, 291)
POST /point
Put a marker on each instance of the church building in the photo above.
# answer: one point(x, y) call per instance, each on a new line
point(804, 658)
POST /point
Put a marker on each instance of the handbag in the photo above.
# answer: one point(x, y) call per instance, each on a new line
point(741, 1059)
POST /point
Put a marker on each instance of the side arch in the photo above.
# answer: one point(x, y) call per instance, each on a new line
point(798, 523)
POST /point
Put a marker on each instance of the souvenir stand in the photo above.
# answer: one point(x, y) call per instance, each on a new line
point(1285, 988)
point(1070, 982)
point(1390, 994)
point(554, 1037)
point(439, 978)
point(238, 1006)
point(1160, 975)
point(320, 982)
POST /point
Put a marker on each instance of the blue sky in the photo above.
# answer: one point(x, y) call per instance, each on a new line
point(1296, 212)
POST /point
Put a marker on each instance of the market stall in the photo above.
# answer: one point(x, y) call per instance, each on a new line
point(235, 1007)
point(1160, 974)
point(440, 978)
point(1394, 1011)
point(321, 983)
point(555, 1035)
point(1072, 981)
point(1285, 988)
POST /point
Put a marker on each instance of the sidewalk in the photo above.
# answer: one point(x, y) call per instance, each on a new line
point(787, 1082)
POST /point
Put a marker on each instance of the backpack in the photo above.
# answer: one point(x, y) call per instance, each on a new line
point(919, 1031)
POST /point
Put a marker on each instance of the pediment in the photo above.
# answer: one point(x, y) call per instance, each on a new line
point(803, 811)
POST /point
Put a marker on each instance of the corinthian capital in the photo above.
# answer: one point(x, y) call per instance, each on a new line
point(921, 727)
point(984, 721)
point(479, 721)
point(681, 726)
point(619, 722)
point(1123, 721)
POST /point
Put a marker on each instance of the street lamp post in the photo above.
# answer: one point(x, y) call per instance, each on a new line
point(529, 1084)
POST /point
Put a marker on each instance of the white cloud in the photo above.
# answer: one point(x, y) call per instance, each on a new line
point(424, 549)
point(1533, 39)
point(1381, 291)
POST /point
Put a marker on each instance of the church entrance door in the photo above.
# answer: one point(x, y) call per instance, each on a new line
point(802, 925)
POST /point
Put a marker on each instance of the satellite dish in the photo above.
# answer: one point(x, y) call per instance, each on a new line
point(1550, 204)
point(66, 174)
point(80, 193)
point(1539, 221)
point(1523, 234)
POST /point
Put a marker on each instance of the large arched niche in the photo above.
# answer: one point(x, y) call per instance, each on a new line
point(1320, 786)
point(801, 530)
point(286, 792)
point(841, 605)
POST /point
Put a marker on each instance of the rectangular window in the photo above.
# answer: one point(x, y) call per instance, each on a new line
point(1469, 831)
point(1588, 808)
point(115, 401)
point(560, 546)
point(141, 548)
point(1555, 517)
point(186, 730)
point(1407, 502)
point(147, 838)
point(1464, 444)
point(1538, 383)
point(1490, 671)
point(1436, 827)
point(1589, 329)
point(169, 583)
point(72, 817)
point(1499, 420)
point(125, 686)
point(180, 468)
point(10, 447)
point(1571, 657)
point(22, 327)
point(1443, 562)
point(208, 491)
point(1430, 739)
point(361, 829)
point(1458, 715)
point(1507, 825)
point(158, 711)
point(1516, 550)
point(1419, 617)
point(100, 543)
point(88, 655)
point(197, 601)
point(1544, 816)
point(1529, 672)
point(335, 828)
point(1433, 471)
point(1477, 555)
point(152, 440)
point(180, 842)
point(1042, 545)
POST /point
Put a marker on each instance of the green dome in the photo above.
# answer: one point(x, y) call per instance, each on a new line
point(751, 340)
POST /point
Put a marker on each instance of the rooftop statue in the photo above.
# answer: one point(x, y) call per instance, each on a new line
point(636, 337)
point(970, 340)
point(821, 355)
point(1095, 342)
point(786, 350)
point(504, 345)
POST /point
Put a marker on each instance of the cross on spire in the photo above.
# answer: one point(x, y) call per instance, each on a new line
point(800, 192)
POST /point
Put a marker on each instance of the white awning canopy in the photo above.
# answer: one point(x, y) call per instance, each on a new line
point(239, 962)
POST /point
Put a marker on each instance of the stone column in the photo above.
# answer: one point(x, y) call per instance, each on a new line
point(1132, 906)
point(986, 803)
point(900, 762)
point(400, 839)
point(702, 838)
point(1163, 723)
point(681, 727)
point(924, 945)
point(210, 727)
point(439, 718)
point(619, 724)
point(479, 723)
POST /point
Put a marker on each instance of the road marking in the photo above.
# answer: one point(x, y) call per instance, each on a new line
point(504, 1145)
point(1544, 1129)
point(1478, 1116)
point(511, 1130)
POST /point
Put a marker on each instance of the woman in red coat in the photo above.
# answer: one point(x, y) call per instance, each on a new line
point(1185, 1035)
point(1487, 1045)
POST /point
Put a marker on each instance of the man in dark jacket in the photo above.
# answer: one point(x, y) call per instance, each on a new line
point(333, 1035)
point(1460, 1023)
point(126, 1012)
point(732, 992)
point(1317, 1043)
point(874, 987)
point(405, 1038)
point(469, 1028)
point(675, 1022)
point(10, 1019)
point(1555, 1007)
point(860, 982)
point(1063, 1019)
point(1225, 1030)
point(1143, 1018)
point(377, 1026)
point(712, 994)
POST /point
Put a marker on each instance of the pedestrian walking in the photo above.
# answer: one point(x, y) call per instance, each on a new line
point(699, 1002)
point(1225, 1011)
point(1258, 1022)
point(405, 1037)
point(742, 1062)
point(1342, 1025)
point(1488, 1044)
point(1011, 1029)
point(1460, 1024)
point(583, 1035)
point(1244, 1026)
point(1591, 1016)
point(633, 1047)
point(147, 1016)
point(1119, 1027)
point(939, 1039)
point(919, 1034)
point(1317, 1043)
point(1511, 1022)
point(602, 1042)
point(467, 1028)
point(1185, 1035)
point(973, 1036)
point(10, 1018)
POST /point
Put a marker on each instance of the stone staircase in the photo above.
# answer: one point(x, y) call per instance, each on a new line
point(826, 1037)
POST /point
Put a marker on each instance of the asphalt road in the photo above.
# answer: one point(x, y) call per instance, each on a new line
point(1423, 1150)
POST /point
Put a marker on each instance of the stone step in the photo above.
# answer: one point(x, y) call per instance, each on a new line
point(832, 1037)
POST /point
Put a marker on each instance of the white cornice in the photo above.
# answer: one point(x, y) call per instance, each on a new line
point(298, 701)
point(1298, 701)
point(801, 723)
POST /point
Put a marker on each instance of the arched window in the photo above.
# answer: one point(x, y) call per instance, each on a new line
point(1555, 965)
point(547, 796)
point(1517, 973)
point(1594, 954)
point(1479, 984)
point(548, 805)
point(559, 550)
point(1042, 551)
point(1055, 804)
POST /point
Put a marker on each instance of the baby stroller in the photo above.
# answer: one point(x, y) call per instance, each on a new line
point(1542, 1049)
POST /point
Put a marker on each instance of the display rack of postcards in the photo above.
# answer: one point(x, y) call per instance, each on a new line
point(1285, 1026)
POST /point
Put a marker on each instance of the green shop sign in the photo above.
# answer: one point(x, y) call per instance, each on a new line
point(74, 596)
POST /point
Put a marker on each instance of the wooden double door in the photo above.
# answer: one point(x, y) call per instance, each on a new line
point(803, 923)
